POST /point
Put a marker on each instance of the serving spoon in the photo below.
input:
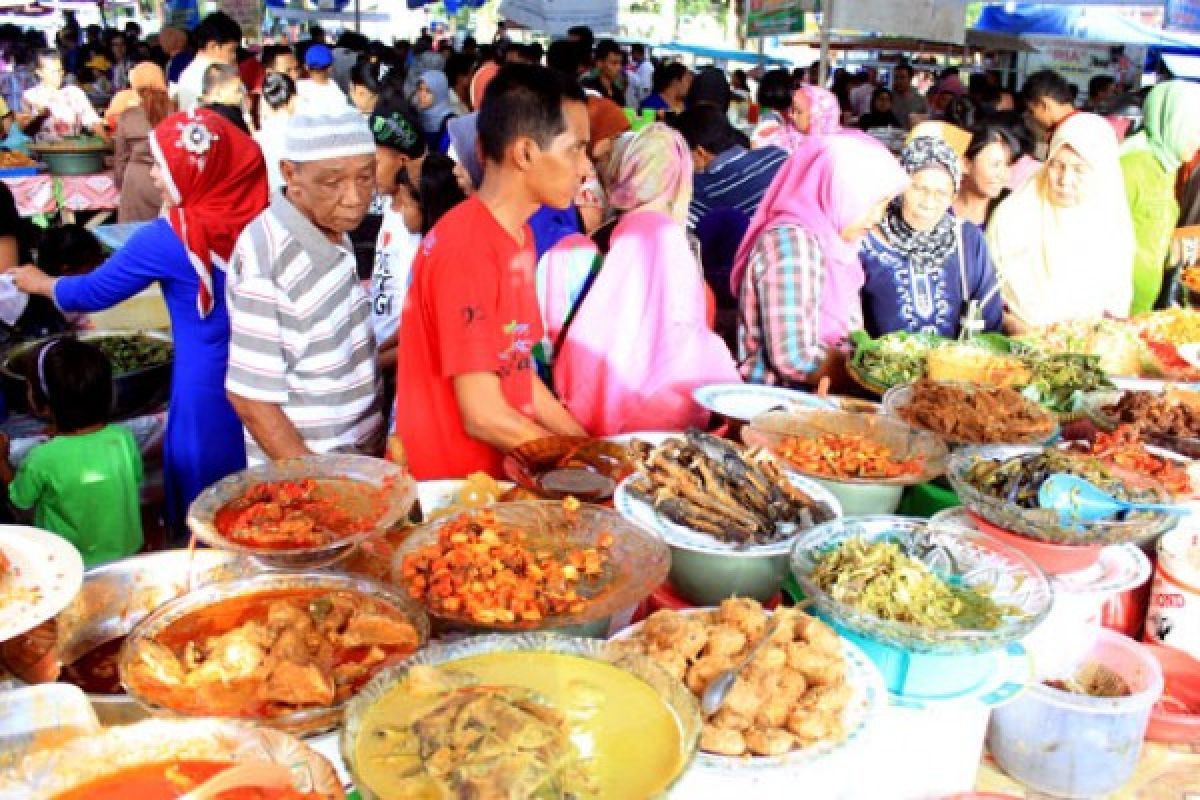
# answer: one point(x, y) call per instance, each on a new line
point(719, 687)
point(251, 774)
point(1079, 500)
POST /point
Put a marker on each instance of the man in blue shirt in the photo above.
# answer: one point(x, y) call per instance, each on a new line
point(728, 175)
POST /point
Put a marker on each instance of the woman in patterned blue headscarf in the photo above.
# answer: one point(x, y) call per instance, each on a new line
point(926, 270)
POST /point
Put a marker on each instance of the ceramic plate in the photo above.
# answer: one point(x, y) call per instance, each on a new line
point(46, 574)
point(1120, 568)
point(643, 514)
point(745, 401)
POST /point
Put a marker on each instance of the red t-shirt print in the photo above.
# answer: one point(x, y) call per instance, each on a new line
point(472, 307)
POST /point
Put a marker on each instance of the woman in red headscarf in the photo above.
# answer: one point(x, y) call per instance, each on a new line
point(213, 182)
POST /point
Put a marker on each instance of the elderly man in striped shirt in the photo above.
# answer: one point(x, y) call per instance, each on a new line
point(302, 369)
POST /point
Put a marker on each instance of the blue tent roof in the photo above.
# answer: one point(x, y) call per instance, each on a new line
point(1088, 24)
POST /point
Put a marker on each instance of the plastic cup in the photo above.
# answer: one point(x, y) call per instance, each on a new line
point(1071, 745)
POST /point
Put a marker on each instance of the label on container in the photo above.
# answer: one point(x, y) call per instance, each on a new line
point(1173, 618)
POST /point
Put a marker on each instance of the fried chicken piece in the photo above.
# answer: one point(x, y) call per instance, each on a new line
point(743, 698)
point(769, 741)
point(745, 614)
point(810, 727)
point(722, 741)
point(817, 668)
point(672, 661)
point(770, 658)
point(792, 685)
point(829, 699)
point(820, 636)
point(725, 641)
point(773, 713)
point(728, 718)
point(704, 670)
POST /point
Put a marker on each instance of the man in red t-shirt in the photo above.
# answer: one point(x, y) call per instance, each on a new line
point(466, 387)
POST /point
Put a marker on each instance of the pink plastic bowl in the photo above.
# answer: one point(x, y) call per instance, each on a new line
point(1176, 717)
point(1055, 559)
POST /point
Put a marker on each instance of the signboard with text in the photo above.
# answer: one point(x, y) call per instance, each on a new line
point(777, 17)
point(556, 16)
point(247, 14)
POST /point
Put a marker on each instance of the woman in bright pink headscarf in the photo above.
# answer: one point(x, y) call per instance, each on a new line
point(815, 112)
point(637, 343)
point(797, 274)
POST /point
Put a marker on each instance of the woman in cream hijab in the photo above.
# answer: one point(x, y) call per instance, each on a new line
point(1063, 243)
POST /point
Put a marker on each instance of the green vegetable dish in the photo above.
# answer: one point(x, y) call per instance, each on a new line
point(880, 579)
point(132, 353)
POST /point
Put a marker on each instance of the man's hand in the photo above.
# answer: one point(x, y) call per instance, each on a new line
point(31, 280)
point(488, 417)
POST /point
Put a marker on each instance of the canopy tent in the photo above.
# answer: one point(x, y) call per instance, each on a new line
point(1083, 24)
point(721, 54)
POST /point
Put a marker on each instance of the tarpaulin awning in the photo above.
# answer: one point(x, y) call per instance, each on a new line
point(721, 54)
point(1084, 24)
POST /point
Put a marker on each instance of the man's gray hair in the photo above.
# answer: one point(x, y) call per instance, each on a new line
point(218, 75)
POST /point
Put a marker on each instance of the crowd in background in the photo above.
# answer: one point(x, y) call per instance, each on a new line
point(470, 247)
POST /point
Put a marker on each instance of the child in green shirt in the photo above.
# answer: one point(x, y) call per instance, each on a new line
point(83, 483)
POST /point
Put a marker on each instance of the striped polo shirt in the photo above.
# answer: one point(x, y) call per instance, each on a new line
point(301, 337)
point(737, 178)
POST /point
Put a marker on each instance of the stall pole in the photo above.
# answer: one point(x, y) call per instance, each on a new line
point(358, 16)
point(826, 7)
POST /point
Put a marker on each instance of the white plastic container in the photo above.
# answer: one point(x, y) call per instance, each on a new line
point(925, 748)
point(1076, 746)
point(1173, 617)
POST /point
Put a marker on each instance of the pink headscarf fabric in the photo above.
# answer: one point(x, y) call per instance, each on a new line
point(639, 344)
point(826, 186)
point(651, 168)
point(824, 113)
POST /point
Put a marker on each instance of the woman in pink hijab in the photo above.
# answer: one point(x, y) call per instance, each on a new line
point(637, 343)
point(797, 274)
point(815, 112)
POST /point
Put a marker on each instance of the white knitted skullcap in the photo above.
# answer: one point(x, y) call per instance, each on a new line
point(317, 136)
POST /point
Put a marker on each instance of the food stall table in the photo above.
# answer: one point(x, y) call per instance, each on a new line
point(64, 194)
point(1164, 772)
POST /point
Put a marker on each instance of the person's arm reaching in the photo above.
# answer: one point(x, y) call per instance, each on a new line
point(270, 427)
point(551, 414)
point(487, 415)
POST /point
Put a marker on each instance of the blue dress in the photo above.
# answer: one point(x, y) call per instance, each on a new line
point(204, 434)
point(897, 297)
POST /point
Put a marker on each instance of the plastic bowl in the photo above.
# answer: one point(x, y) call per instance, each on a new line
point(858, 496)
point(1169, 721)
point(897, 398)
point(1072, 745)
point(558, 466)
point(1055, 559)
point(1013, 578)
point(638, 563)
point(374, 472)
point(51, 772)
point(304, 721)
point(1043, 524)
point(672, 693)
point(704, 570)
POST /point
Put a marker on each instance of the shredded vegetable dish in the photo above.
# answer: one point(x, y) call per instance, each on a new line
point(486, 572)
point(880, 579)
point(834, 455)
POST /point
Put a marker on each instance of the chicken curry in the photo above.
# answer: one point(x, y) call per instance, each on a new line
point(269, 654)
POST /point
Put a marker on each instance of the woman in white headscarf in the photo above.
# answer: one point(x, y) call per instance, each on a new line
point(1063, 243)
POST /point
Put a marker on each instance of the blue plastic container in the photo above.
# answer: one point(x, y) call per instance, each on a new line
point(924, 676)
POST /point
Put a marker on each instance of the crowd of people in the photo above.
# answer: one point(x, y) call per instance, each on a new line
point(440, 254)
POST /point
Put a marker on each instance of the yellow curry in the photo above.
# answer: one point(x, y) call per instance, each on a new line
point(619, 739)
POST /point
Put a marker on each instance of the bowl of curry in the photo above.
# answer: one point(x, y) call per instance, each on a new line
point(161, 759)
point(534, 715)
point(285, 650)
point(303, 513)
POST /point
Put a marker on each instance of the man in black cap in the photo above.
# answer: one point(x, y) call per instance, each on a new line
point(399, 155)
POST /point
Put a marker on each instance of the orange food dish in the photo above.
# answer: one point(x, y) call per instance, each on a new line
point(840, 456)
point(285, 515)
point(171, 780)
point(1122, 448)
point(269, 654)
point(486, 572)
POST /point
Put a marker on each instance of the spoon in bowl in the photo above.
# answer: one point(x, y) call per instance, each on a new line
point(719, 687)
point(249, 775)
point(1079, 500)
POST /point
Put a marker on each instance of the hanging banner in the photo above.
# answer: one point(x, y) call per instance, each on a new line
point(1182, 15)
point(181, 14)
point(777, 17)
point(556, 16)
point(246, 13)
point(929, 20)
